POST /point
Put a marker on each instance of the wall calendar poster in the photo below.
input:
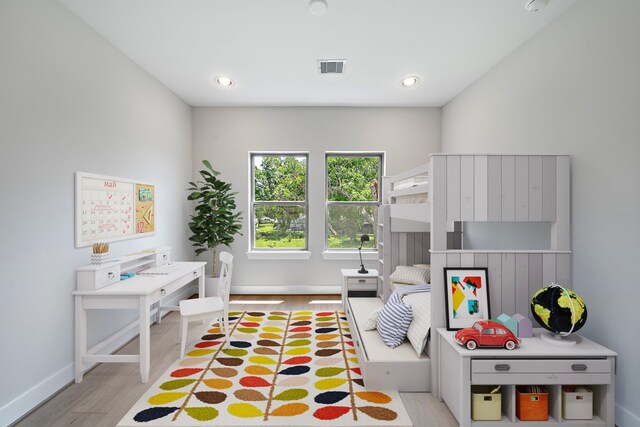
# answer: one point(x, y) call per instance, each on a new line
point(110, 209)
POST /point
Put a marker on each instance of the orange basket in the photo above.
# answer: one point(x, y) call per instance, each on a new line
point(532, 403)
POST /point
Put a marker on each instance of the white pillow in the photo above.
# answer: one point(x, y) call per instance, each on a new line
point(411, 275)
point(372, 321)
point(418, 332)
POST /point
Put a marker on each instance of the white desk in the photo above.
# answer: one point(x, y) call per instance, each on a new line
point(137, 293)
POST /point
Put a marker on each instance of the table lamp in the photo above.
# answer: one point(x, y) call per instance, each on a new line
point(363, 238)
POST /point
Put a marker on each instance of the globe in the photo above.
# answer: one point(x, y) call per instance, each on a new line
point(559, 310)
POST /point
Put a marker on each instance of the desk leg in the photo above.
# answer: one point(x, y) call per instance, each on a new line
point(145, 342)
point(81, 337)
point(201, 285)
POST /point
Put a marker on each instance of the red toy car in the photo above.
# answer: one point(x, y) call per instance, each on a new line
point(487, 333)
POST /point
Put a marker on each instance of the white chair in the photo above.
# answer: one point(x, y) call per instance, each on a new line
point(211, 307)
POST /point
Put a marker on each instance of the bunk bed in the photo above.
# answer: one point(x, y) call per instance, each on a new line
point(403, 239)
point(420, 207)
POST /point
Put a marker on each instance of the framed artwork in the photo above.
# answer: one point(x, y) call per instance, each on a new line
point(467, 296)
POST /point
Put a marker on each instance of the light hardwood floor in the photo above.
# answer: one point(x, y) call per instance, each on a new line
point(110, 389)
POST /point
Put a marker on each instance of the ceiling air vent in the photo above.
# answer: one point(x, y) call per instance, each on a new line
point(331, 66)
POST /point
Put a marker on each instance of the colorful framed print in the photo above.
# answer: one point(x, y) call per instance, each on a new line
point(467, 296)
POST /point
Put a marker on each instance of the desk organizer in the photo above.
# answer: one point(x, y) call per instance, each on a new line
point(532, 403)
point(577, 403)
point(486, 406)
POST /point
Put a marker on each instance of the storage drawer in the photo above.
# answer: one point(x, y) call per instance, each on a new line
point(97, 279)
point(364, 283)
point(538, 371)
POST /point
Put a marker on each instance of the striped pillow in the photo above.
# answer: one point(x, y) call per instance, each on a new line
point(394, 320)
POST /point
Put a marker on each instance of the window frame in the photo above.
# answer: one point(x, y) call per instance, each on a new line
point(253, 202)
point(327, 203)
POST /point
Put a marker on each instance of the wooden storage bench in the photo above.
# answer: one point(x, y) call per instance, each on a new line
point(385, 368)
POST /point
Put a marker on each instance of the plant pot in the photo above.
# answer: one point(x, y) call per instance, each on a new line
point(211, 286)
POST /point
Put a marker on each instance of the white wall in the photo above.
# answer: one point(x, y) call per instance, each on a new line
point(226, 135)
point(575, 89)
point(70, 101)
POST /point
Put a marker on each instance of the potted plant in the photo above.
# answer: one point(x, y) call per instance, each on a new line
point(215, 221)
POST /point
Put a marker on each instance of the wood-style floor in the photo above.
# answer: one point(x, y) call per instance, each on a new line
point(110, 389)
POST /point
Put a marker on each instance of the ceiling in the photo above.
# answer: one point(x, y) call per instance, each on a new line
point(270, 47)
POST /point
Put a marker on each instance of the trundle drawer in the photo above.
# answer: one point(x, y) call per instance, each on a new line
point(538, 371)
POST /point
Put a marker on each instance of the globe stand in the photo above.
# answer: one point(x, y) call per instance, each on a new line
point(562, 340)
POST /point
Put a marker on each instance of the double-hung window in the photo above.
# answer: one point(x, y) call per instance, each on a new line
point(353, 182)
point(279, 204)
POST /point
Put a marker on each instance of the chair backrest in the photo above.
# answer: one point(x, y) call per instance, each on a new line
point(226, 270)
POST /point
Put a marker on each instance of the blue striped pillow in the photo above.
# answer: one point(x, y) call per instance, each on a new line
point(394, 319)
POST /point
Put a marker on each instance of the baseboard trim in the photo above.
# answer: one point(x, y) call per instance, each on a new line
point(37, 395)
point(626, 418)
point(286, 290)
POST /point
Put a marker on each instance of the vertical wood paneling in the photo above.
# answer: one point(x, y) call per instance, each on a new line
point(411, 248)
point(453, 260)
point(560, 231)
point(494, 188)
point(563, 270)
point(495, 283)
point(549, 188)
point(535, 276)
point(467, 260)
point(535, 188)
point(438, 262)
point(402, 248)
point(508, 280)
point(522, 188)
point(508, 188)
point(522, 284)
point(480, 187)
point(395, 250)
point(466, 188)
point(480, 260)
point(453, 188)
point(548, 268)
point(438, 194)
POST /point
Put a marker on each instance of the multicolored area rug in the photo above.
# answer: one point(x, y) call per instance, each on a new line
point(277, 369)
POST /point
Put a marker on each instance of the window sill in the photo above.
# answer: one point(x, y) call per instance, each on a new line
point(278, 255)
point(349, 255)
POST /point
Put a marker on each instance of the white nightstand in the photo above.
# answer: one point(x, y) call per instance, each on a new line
point(536, 361)
point(358, 284)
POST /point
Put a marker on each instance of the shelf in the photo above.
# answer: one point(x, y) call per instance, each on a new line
point(137, 264)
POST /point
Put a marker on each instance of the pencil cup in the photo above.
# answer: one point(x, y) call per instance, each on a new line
point(97, 259)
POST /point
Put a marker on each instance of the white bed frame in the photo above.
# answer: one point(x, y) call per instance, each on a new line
point(465, 187)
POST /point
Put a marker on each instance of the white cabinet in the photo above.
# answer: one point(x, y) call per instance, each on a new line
point(358, 284)
point(535, 362)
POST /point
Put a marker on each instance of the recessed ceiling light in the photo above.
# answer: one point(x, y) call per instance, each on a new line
point(318, 7)
point(224, 81)
point(410, 81)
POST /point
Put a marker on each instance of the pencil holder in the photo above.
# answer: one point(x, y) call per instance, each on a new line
point(97, 259)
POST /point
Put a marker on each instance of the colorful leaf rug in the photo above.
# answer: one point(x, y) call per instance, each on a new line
point(277, 369)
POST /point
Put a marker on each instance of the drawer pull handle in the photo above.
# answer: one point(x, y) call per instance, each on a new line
point(195, 273)
point(361, 280)
point(579, 367)
point(164, 257)
point(163, 292)
point(502, 367)
point(111, 275)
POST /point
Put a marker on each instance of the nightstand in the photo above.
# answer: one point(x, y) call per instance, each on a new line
point(537, 362)
point(360, 285)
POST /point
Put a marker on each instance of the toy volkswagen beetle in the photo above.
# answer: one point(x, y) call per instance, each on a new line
point(487, 333)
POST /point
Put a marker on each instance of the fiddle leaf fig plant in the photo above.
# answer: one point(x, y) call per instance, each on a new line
point(215, 221)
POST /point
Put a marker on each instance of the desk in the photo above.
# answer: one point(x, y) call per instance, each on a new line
point(137, 293)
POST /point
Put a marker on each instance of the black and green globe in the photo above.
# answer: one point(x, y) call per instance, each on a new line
point(559, 310)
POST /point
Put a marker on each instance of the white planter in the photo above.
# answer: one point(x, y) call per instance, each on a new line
point(211, 286)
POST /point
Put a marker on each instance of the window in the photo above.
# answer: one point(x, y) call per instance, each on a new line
point(352, 199)
point(279, 206)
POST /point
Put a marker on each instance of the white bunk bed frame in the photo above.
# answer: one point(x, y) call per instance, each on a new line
point(469, 187)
